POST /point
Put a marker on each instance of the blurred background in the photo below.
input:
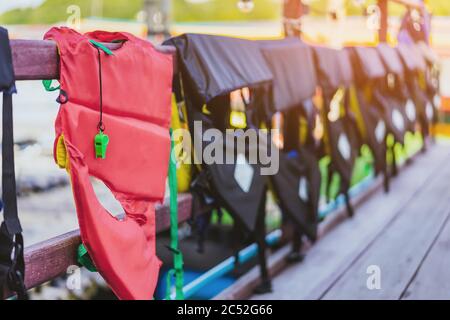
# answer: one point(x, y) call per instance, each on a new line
point(46, 203)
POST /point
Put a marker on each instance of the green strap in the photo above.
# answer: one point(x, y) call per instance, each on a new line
point(84, 259)
point(102, 47)
point(48, 85)
point(177, 271)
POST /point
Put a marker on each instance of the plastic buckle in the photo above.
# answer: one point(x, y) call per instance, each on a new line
point(63, 97)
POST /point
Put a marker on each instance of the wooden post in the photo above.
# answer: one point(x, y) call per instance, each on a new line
point(382, 33)
point(292, 12)
point(158, 16)
point(166, 10)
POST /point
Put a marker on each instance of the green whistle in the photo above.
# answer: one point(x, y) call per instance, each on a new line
point(101, 142)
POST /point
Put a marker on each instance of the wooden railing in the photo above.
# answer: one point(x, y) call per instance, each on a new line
point(49, 259)
point(38, 60)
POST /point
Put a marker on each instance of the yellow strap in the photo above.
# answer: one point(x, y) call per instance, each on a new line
point(62, 157)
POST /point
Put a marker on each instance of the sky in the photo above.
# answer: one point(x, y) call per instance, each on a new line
point(6, 5)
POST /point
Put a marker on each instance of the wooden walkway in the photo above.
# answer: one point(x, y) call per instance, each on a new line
point(405, 235)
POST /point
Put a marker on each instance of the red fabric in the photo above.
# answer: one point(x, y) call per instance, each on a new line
point(137, 88)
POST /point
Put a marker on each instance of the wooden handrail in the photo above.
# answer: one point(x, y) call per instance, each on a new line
point(49, 259)
point(38, 59)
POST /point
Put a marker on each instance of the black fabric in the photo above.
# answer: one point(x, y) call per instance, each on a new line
point(416, 30)
point(243, 206)
point(414, 65)
point(212, 67)
point(346, 128)
point(246, 207)
point(12, 268)
point(298, 170)
point(6, 66)
point(345, 68)
point(373, 116)
point(217, 65)
point(297, 183)
point(298, 122)
point(391, 59)
point(432, 79)
point(412, 60)
point(329, 72)
point(392, 108)
point(292, 65)
point(396, 93)
point(378, 85)
point(8, 174)
point(369, 72)
point(377, 110)
point(368, 64)
point(333, 72)
point(389, 93)
point(431, 58)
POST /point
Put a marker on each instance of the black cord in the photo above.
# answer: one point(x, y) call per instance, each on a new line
point(100, 126)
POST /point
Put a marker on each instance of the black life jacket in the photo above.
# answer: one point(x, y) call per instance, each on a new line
point(415, 68)
point(12, 266)
point(373, 124)
point(395, 91)
point(412, 29)
point(342, 141)
point(297, 183)
point(211, 68)
point(431, 82)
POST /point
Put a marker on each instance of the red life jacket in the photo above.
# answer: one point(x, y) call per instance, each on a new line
point(136, 85)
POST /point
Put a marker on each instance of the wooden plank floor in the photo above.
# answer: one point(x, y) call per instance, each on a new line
point(404, 234)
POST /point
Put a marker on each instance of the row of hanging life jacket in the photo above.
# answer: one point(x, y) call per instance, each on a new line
point(106, 128)
point(365, 96)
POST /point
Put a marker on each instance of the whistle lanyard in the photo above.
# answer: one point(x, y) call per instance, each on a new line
point(101, 140)
point(101, 125)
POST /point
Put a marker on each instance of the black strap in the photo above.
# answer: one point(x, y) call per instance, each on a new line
point(12, 267)
point(260, 237)
point(394, 161)
point(351, 120)
point(100, 125)
point(330, 175)
point(348, 203)
point(8, 173)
